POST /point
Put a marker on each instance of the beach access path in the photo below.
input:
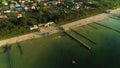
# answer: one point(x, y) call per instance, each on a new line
point(74, 24)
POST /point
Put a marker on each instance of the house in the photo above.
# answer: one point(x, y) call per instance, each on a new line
point(12, 6)
point(33, 7)
point(7, 11)
point(18, 7)
point(89, 2)
point(3, 16)
point(52, 3)
point(4, 3)
point(38, 1)
point(22, 1)
point(46, 25)
point(45, 4)
point(76, 6)
point(49, 24)
point(34, 27)
point(26, 8)
point(18, 15)
point(40, 25)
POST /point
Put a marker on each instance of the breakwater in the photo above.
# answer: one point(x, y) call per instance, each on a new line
point(20, 48)
point(114, 17)
point(77, 40)
point(84, 37)
point(92, 26)
point(7, 49)
point(108, 27)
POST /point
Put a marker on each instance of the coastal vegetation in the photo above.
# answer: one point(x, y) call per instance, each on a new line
point(60, 14)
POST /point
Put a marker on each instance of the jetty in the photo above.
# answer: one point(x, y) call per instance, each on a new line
point(7, 49)
point(92, 26)
point(108, 27)
point(77, 40)
point(114, 17)
point(84, 37)
point(20, 48)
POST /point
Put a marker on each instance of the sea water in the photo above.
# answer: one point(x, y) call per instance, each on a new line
point(60, 51)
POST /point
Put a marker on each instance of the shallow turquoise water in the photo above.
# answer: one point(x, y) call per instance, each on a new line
point(59, 50)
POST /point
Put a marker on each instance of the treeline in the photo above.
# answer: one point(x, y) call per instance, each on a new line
point(105, 3)
point(13, 26)
point(9, 29)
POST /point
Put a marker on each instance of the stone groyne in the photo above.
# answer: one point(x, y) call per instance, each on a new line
point(77, 40)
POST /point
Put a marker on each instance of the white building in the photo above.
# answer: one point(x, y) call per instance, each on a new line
point(34, 27)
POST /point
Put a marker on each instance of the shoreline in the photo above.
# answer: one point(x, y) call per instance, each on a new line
point(91, 19)
point(74, 24)
point(85, 21)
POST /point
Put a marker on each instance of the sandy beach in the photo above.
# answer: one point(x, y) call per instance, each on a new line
point(85, 21)
point(75, 24)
